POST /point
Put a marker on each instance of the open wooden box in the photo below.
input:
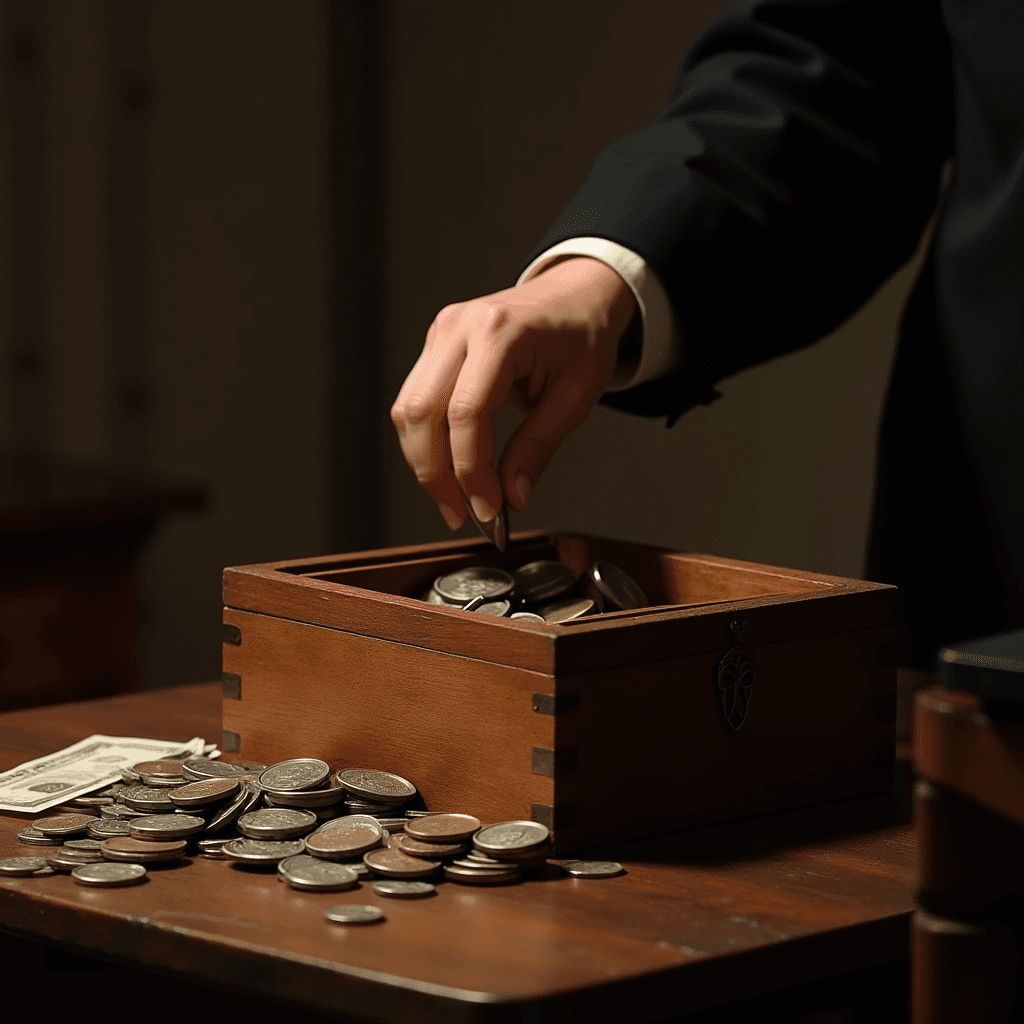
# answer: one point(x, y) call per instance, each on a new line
point(605, 727)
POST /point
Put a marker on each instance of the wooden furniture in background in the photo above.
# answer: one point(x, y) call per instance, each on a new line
point(969, 812)
point(70, 538)
point(805, 911)
point(604, 727)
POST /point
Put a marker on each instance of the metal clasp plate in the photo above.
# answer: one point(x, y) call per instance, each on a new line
point(737, 674)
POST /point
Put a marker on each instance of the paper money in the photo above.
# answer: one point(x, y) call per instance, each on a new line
point(84, 766)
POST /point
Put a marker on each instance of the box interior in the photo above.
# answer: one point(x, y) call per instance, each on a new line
point(668, 578)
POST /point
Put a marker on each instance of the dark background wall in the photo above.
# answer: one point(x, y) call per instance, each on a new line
point(212, 254)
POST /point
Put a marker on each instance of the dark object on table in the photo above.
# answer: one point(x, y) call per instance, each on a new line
point(992, 667)
point(70, 537)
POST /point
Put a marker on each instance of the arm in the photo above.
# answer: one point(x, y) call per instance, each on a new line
point(792, 172)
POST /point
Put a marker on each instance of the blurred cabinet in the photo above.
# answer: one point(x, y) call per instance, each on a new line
point(70, 539)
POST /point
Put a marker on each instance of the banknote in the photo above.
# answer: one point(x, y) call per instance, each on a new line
point(84, 766)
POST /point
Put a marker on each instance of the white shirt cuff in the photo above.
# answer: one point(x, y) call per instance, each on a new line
point(661, 342)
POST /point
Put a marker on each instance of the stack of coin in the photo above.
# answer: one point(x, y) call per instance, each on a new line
point(541, 591)
point(283, 817)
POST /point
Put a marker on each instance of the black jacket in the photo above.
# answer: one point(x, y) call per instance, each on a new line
point(793, 171)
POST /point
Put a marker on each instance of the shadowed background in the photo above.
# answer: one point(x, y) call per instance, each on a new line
point(226, 226)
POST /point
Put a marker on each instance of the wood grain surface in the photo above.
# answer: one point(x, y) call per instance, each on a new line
point(699, 919)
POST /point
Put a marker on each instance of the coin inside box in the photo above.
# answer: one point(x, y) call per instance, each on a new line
point(741, 689)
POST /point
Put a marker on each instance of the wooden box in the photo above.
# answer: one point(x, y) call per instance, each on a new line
point(609, 726)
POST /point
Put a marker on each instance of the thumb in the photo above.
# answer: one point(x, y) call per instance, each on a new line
point(536, 440)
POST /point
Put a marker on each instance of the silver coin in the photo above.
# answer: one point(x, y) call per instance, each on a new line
point(212, 845)
point(31, 836)
point(120, 811)
point(197, 768)
point(165, 826)
point(403, 890)
point(354, 913)
point(433, 597)
point(150, 799)
point(276, 823)
point(313, 875)
point(592, 868)
point(83, 844)
point(619, 590)
point(253, 767)
point(104, 828)
point(67, 860)
point(527, 617)
point(496, 531)
point(109, 874)
point(565, 611)
point(476, 581)
point(543, 581)
point(312, 799)
point(21, 867)
point(512, 837)
point(296, 773)
point(499, 609)
point(247, 799)
point(488, 865)
point(262, 851)
point(92, 801)
point(375, 786)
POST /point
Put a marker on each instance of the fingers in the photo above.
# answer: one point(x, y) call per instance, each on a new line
point(481, 389)
point(420, 417)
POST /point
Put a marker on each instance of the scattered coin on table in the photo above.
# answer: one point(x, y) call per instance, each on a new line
point(297, 773)
point(142, 851)
point(354, 913)
point(165, 826)
point(109, 874)
point(65, 825)
point(18, 867)
point(400, 889)
point(223, 813)
point(376, 786)
point(313, 875)
point(443, 828)
point(276, 823)
point(592, 868)
point(33, 837)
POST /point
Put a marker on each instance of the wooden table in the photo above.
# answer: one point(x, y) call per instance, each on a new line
point(969, 805)
point(701, 919)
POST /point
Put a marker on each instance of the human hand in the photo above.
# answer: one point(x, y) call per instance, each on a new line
point(548, 346)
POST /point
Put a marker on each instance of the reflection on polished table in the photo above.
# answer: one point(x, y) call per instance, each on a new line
point(807, 910)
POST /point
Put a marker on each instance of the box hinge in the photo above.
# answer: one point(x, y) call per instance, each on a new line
point(232, 684)
point(555, 703)
point(231, 634)
point(231, 742)
point(554, 763)
point(560, 816)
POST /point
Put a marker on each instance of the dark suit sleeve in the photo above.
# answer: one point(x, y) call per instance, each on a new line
point(792, 172)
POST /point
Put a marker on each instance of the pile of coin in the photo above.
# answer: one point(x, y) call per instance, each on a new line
point(322, 832)
point(543, 591)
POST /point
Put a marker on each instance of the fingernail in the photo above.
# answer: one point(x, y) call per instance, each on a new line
point(451, 517)
point(523, 488)
point(483, 511)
